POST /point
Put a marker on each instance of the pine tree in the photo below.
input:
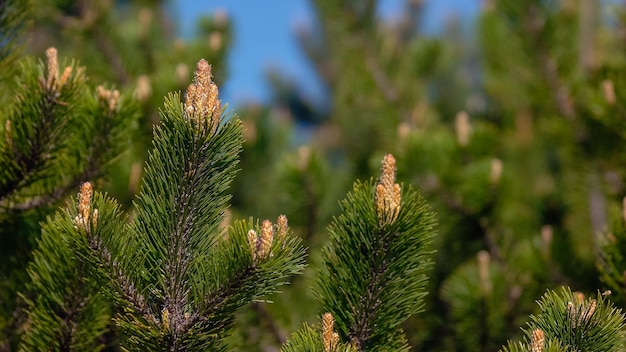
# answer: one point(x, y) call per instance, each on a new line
point(174, 276)
point(134, 45)
point(521, 163)
point(58, 130)
point(78, 124)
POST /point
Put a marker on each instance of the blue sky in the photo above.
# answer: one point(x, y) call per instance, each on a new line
point(265, 38)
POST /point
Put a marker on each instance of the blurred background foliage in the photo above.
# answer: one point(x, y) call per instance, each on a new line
point(514, 133)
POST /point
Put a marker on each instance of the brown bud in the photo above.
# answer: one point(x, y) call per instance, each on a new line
point(266, 239)
point(52, 66)
point(215, 40)
point(537, 341)
point(282, 227)
point(304, 156)
point(463, 128)
point(580, 297)
point(67, 72)
point(84, 206)
point(388, 193)
point(589, 311)
point(329, 336)
point(165, 319)
point(202, 104)
point(252, 242)
point(582, 312)
point(108, 99)
point(403, 130)
point(94, 218)
point(182, 73)
point(546, 238)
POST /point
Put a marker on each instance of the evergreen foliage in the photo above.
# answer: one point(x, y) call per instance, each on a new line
point(374, 266)
point(58, 131)
point(133, 45)
point(513, 137)
point(56, 134)
point(65, 310)
point(175, 278)
point(572, 323)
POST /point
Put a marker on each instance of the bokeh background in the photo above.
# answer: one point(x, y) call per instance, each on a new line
point(265, 38)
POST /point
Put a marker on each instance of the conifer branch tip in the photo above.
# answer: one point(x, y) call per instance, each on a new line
point(261, 245)
point(267, 236)
point(388, 193)
point(85, 213)
point(329, 337)
point(581, 312)
point(108, 98)
point(201, 99)
point(537, 341)
point(52, 81)
point(282, 227)
point(52, 66)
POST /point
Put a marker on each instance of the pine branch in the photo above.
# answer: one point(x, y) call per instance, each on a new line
point(67, 312)
point(260, 264)
point(375, 263)
point(56, 136)
point(477, 306)
point(38, 124)
point(177, 280)
point(569, 320)
point(112, 118)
